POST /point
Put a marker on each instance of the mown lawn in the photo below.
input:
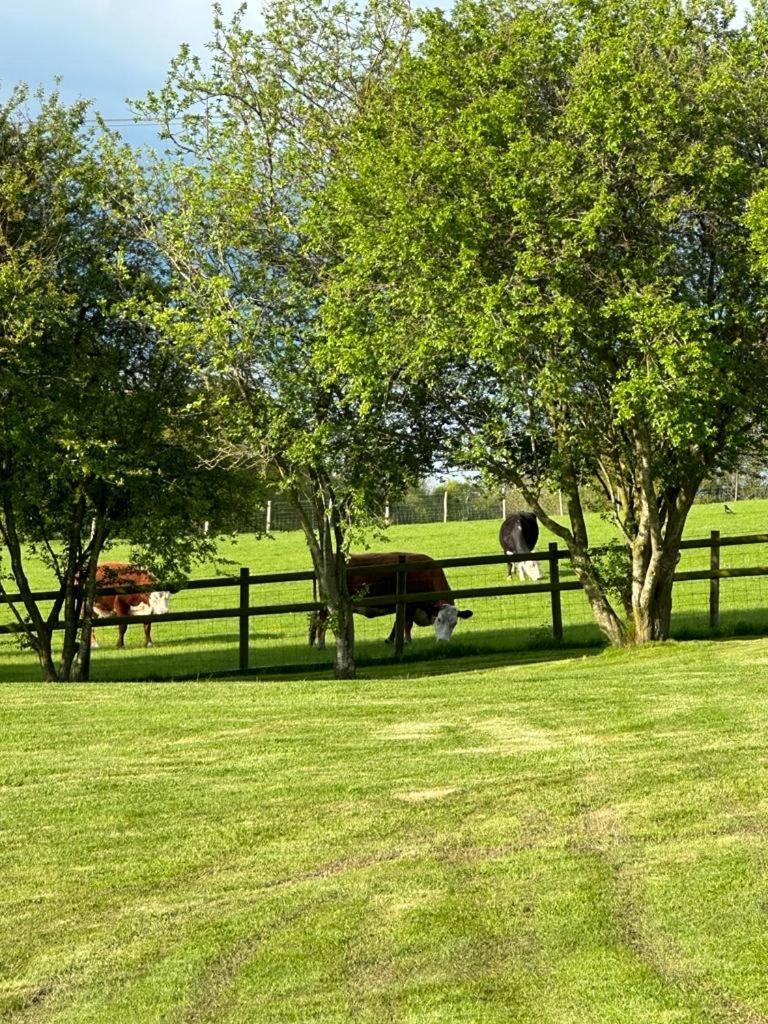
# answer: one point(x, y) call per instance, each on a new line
point(580, 839)
point(499, 624)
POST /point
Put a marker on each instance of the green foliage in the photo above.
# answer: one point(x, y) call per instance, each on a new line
point(550, 202)
point(261, 122)
point(97, 432)
point(614, 570)
point(255, 129)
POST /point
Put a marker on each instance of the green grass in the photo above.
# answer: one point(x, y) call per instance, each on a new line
point(575, 840)
point(499, 624)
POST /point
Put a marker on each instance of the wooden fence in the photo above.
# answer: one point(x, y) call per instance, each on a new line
point(244, 611)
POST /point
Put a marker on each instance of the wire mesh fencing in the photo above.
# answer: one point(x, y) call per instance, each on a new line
point(260, 623)
point(470, 504)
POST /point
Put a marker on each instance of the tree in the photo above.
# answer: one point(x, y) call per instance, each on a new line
point(550, 200)
point(97, 434)
point(254, 132)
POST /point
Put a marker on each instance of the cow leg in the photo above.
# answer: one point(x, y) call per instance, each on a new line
point(318, 625)
point(148, 634)
point(121, 635)
point(512, 567)
point(406, 632)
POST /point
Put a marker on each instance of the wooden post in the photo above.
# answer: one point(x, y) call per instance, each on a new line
point(560, 499)
point(714, 584)
point(245, 596)
point(445, 506)
point(554, 579)
point(387, 512)
point(504, 505)
point(269, 517)
point(401, 581)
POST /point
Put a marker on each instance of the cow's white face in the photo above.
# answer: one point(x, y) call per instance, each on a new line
point(159, 602)
point(531, 570)
point(446, 619)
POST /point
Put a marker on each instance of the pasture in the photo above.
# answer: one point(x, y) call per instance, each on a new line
point(573, 837)
point(500, 624)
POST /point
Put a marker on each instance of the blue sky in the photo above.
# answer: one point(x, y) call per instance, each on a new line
point(105, 50)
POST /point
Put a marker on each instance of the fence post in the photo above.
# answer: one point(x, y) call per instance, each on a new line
point(400, 588)
point(714, 583)
point(269, 518)
point(554, 579)
point(445, 505)
point(245, 595)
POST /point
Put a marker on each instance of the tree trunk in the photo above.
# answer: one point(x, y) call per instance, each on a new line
point(609, 623)
point(654, 561)
point(72, 608)
point(341, 615)
point(81, 672)
point(71, 587)
point(38, 630)
point(326, 547)
point(344, 629)
point(82, 667)
point(577, 541)
point(44, 652)
point(652, 610)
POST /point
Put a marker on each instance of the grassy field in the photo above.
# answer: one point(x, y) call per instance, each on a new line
point(574, 839)
point(499, 624)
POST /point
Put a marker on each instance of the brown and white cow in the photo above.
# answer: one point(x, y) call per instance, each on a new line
point(120, 574)
point(426, 578)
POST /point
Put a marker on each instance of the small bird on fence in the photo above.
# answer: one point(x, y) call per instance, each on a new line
point(729, 510)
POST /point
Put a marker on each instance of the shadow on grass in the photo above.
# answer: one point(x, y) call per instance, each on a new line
point(733, 622)
point(200, 658)
point(374, 658)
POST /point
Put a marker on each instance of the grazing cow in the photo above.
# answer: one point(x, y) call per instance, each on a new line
point(123, 574)
point(440, 613)
point(517, 536)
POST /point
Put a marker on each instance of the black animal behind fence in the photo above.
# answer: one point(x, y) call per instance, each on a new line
point(269, 634)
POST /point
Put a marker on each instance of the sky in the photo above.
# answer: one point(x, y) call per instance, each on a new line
point(104, 50)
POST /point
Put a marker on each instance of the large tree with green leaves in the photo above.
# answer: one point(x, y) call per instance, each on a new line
point(255, 129)
point(98, 434)
point(549, 200)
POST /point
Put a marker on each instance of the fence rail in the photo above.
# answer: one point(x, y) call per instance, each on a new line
point(244, 611)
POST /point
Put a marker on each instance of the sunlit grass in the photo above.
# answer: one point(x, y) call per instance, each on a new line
point(570, 840)
point(506, 623)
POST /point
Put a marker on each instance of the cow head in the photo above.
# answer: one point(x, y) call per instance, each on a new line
point(446, 619)
point(159, 602)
